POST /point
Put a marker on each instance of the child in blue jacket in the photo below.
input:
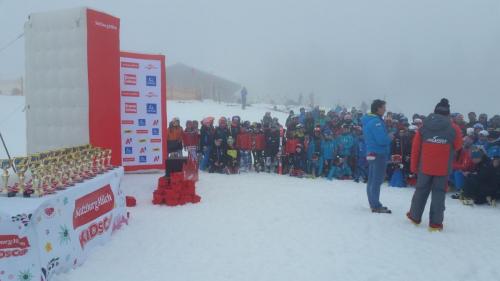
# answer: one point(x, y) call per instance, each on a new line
point(328, 152)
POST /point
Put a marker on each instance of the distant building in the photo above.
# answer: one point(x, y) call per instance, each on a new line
point(188, 83)
point(13, 87)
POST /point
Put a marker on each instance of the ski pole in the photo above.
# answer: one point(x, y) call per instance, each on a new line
point(7, 151)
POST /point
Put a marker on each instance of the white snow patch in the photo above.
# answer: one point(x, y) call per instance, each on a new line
point(269, 227)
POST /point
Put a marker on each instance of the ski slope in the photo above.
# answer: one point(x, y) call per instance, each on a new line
point(261, 227)
point(275, 228)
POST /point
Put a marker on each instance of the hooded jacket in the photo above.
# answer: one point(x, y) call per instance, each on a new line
point(434, 146)
point(376, 138)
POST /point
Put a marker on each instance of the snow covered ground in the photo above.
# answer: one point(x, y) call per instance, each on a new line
point(263, 227)
point(269, 227)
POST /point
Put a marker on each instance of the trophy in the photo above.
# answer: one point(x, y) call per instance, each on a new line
point(108, 160)
point(68, 169)
point(47, 178)
point(5, 166)
point(77, 168)
point(87, 164)
point(34, 167)
point(97, 160)
point(21, 164)
point(59, 172)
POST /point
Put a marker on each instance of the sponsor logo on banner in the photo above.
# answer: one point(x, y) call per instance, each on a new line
point(128, 64)
point(95, 229)
point(130, 107)
point(156, 158)
point(128, 141)
point(156, 122)
point(128, 150)
point(130, 79)
point(156, 149)
point(127, 122)
point(132, 94)
point(151, 108)
point(142, 131)
point(155, 140)
point(129, 159)
point(127, 131)
point(143, 159)
point(142, 122)
point(155, 131)
point(150, 81)
point(117, 224)
point(93, 205)
point(143, 150)
point(151, 95)
point(150, 66)
point(108, 26)
point(13, 246)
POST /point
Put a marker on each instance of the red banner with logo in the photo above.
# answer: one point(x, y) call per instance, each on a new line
point(93, 205)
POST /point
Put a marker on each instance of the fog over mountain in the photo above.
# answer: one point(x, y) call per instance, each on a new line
point(410, 52)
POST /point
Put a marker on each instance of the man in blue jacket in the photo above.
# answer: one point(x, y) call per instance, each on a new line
point(378, 143)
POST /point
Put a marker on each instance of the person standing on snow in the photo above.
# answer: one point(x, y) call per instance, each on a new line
point(433, 150)
point(378, 143)
point(244, 94)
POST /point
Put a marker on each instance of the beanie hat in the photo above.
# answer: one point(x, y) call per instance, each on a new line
point(478, 126)
point(443, 107)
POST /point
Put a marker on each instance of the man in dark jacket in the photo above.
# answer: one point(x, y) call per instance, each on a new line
point(482, 181)
point(271, 150)
point(378, 143)
point(433, 150)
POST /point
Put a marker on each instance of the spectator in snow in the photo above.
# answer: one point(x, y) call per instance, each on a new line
point(377, 148)
point(432, 156)
point(481, 183)
point(244, 94)
point(174, 138)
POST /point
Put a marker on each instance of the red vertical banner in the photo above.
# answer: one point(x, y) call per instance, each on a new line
point(103, 58)
point(143, 111)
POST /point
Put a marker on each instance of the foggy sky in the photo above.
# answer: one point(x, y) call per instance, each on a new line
point(411, 52)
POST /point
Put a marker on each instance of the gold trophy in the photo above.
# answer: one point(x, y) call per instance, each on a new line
point(88, 163)
point(68, 169)
point(35, 177)
point(59, 172)
point(102, 160)
point(77, 167)
point(21, 164)
point(96, 160)
point(108, 160)
point(5, 166)
point(47, 175)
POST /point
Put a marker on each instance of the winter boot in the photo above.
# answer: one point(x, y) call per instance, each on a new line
point(381, 210)
point(412, 220)
point(435, 227)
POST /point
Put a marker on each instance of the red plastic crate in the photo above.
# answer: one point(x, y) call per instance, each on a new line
point(163, 182)
point(171, 194)
point(176, 178)
point(196, 199)
point(171, 202)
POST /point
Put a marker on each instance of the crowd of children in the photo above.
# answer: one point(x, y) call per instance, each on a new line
point(330, 144)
